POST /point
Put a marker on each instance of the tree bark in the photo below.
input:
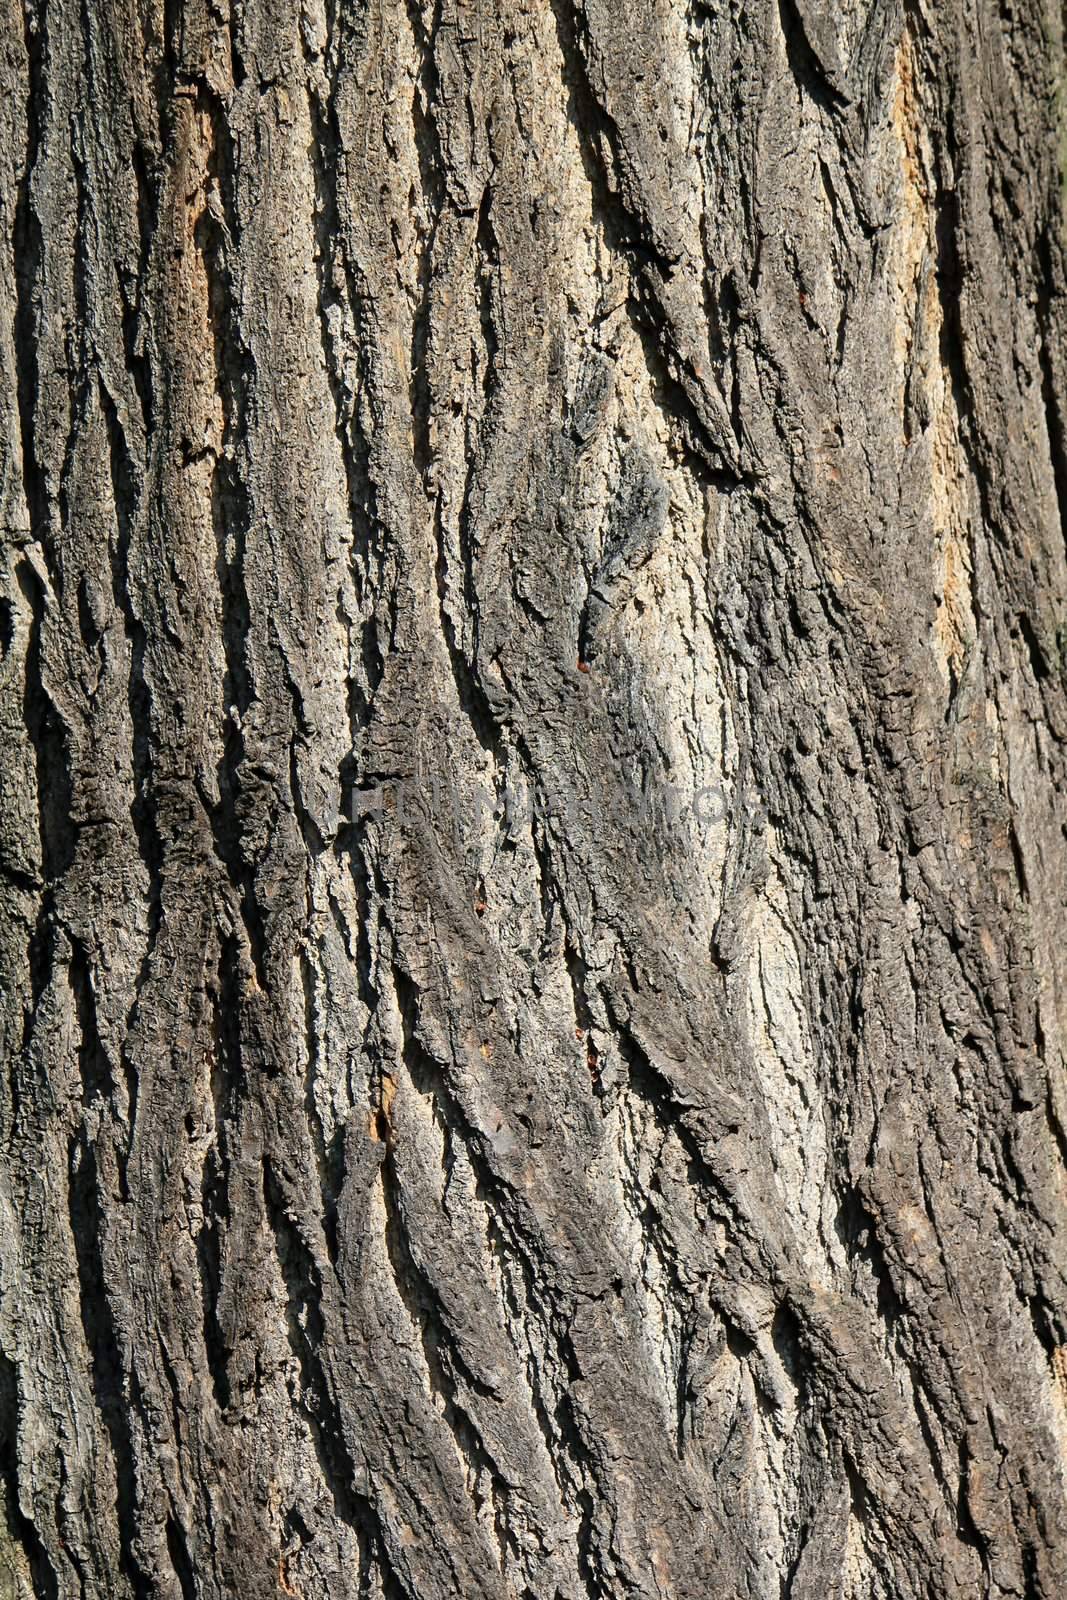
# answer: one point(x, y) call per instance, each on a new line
point(532, 831)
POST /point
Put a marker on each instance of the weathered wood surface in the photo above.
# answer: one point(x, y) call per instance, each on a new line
point(532, 822)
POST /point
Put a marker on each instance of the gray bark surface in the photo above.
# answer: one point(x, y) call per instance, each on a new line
point(532, 833)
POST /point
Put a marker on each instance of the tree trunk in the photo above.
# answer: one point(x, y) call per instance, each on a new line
point(534, 705)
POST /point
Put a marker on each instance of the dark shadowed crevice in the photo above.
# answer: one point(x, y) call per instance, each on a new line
point(110, 1389)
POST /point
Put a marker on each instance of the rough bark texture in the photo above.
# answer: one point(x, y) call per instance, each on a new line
point(446, 1153)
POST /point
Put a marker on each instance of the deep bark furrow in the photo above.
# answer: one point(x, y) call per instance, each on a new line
point(533, 676)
